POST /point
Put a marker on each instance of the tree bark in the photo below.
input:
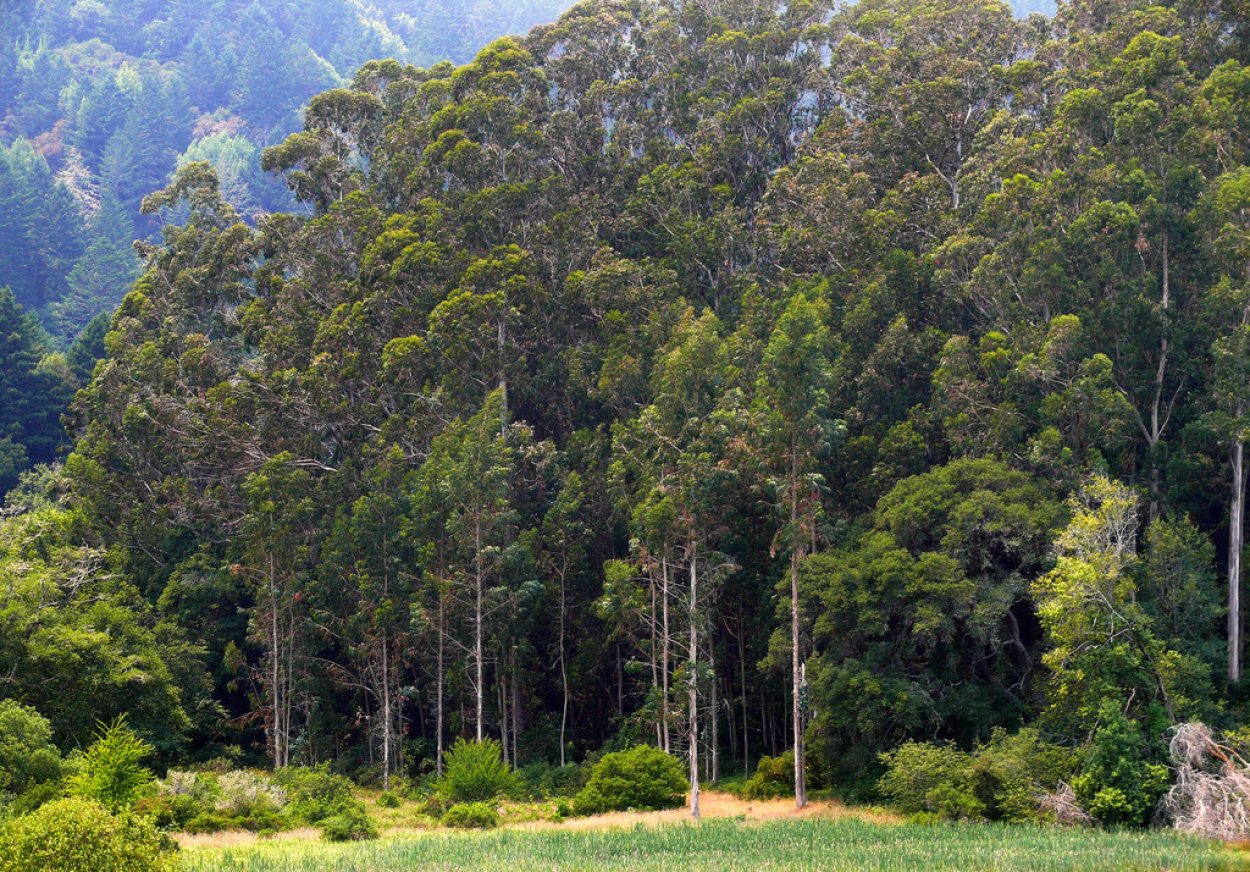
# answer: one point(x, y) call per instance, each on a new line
point(800, 780)
point(1236, 535)
point(694, 681)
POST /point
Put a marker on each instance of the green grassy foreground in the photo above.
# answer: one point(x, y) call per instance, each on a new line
point(725, 845)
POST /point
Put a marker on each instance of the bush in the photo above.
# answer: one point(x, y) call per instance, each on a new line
point(78, 835)
point(543, 779)
point(28, 759)
point(644, 777)
point(472, 816)
point(773, 778)
point(245, 794)
point(350, 824)
point(112, 771)
point(1001, 780)
point(1118, 785)
point(386, 799)
point(475, 772)
point(316, 794)
point(209, 822)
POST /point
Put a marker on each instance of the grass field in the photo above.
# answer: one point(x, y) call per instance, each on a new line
point(728, 845)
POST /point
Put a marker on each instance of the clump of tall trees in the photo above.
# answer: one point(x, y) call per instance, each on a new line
point(738, 377)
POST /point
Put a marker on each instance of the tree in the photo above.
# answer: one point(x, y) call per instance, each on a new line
point(793, 398)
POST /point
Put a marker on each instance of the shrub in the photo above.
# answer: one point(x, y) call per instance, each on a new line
point(28, 759)
point(350, 824)
point(315, 794)
point(246, 794)
point(472, 816)
point(475, 771)
point(644, 777)
point(169, 812)
point(1001, 780)
point(1118, 784)
point(209, 822)
point(773, 778)
point(386, 799)
point(914, 770)
point(112, 771)
point(78, 835)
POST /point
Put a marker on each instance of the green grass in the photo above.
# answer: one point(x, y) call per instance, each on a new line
point(729, 845)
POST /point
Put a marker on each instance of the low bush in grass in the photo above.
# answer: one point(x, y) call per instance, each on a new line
point(642, 778)
point(387, 799)
point(315, 794)
point(999, 780)
point(350, 824)
point(472, 816)
point(773, 778)
point(475, 772)
point(319, 797)
point(79, 835)
point(544, 780)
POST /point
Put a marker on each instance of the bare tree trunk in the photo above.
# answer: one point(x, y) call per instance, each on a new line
point(742, 665)
point(438, 725)
point(501, 687)
point(664, 668)
point(715, 711)
point(516, 711)
point(478, 618)
point(386, 713)
point(1236, 538)
point(694, 681)
point(653, 622)
point(800, 780)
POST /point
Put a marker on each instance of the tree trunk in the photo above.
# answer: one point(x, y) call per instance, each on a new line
point(694, 682)
point(564, 673)
point(664, 667)
point(438, 720)
point(742, 665)
point(478, 618)
point(800, 780)
point(1236, 535)
point(386, 713)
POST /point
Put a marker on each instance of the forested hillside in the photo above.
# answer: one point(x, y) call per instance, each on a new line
point(738, 377)
point(100, 101)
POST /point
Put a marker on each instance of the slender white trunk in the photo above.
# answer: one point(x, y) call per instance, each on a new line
point(664, 667)
point(1236, 534)
point(694, 682)
point(438, 718)
point(478, 617)
point(800, 779)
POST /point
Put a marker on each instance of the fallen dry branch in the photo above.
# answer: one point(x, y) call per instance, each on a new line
point(1211, 795)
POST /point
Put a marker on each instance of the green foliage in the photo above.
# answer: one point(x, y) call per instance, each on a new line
point(315, 794)
point(1000, 780)
point(77, 835)
point(471, 816)
point(351, 823)
point(641, 778)
point(29, 762)
point(773, 778)
point(112, 771)
point(1120, 784)
point(389, 799)
point(475, 772)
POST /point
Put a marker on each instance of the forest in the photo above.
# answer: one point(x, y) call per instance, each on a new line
point(848, 398)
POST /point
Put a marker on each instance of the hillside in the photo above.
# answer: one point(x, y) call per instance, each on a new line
point(101, 101)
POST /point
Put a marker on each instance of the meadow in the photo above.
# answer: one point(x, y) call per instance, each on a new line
point(723, 845)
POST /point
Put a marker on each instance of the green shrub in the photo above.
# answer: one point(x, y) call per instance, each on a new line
point(387, 799)
point(1118, 785)
point(209, 822)
point(914, 770)
point(78, 835)
point(244, 794)
point(1000, 780)
point(28, 759)
point(644, 777)
point(315, 794)
point(543, 779)
point(472, 816)
point(773, 778)
point(169, 812)
point(350, 824)
point(475, 772)
point(112, 771)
